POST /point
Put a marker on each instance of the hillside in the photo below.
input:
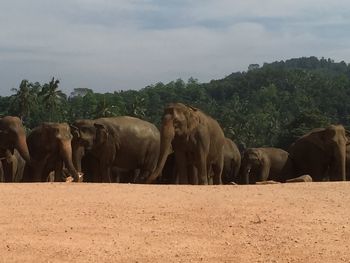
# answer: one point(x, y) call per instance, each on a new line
point(268, 105)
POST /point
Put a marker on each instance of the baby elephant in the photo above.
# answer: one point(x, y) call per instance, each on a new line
point(262, 164)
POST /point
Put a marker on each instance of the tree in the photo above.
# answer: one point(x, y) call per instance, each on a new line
point(105, 110)
point(52, 99)
point(25, 99)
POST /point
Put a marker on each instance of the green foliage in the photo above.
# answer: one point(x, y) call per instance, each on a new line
point(269, 105)
point(53, 100)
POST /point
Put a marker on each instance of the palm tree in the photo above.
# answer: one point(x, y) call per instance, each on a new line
point(138, 107)
point(24, 99)
point(104, 110)
point(52, 97)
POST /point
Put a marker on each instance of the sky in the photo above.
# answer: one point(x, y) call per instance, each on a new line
point(111, 45)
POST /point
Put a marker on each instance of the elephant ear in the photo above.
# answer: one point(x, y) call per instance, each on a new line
point(101, 133)
point(74, 131)
point(256, 153)
point(192, 117)
point(320, 137)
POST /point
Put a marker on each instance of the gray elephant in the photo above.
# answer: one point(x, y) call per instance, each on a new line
point(50, 149)
point(232, 162)
point(124, 142)
point(13, 148)
point(321, 153)
point(262, 164)
point(197, 141)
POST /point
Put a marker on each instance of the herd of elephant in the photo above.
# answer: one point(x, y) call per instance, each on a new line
point(189, 148)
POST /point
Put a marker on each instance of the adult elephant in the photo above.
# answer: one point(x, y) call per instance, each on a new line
point(262, 164)
point(321, 153)
point(124, 142)
point(13, 148)
point(50, 149)
point(232, 162)
point(197, 141)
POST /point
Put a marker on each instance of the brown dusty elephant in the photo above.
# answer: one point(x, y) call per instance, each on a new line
point(197, 141)
point(262, 164)
point(321, 153)
point(50, 150)
point(12, 138)
point(232, 162)
point(124, 142)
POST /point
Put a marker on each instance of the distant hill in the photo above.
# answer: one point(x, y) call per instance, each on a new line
point(268, 105)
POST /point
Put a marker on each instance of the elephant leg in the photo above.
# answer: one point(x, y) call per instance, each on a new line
point(210, 175)
point(334, 173)
point(8, 171)
point(181, 166)
point(50, 177)
point(105, 171)
point(234, 173)
point(14, 167)
point(59, 171)
point(289, 171)
point(116, 175)
point(47, 174)
point(2, 179)
point(217, 170)
point(140, 176)
point(264, 173)
point(95, 172)
point(202, 168)
point(192, 174)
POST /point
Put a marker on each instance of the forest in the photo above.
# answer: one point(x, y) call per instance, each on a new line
point(266, 105)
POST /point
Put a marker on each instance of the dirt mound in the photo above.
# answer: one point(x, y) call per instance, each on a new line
point(306, 222)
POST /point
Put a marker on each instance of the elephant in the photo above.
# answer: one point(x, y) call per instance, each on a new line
point(321, 153)
point(124, 142)
point(232, 162)
point(262, 164)
point(197, 141)
point(13, 148)
point(50, 149)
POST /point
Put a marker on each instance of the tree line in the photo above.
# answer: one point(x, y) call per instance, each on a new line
point(268, 105)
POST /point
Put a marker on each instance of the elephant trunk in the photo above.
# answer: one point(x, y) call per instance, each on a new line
point(167, 134)
point(339, 167)
point(78, 152)
point(22, 147)
point(246, 174)
point(66, 154)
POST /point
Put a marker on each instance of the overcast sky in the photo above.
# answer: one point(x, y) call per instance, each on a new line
point(109, 45)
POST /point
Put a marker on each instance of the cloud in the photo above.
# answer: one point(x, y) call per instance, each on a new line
point(109, 45)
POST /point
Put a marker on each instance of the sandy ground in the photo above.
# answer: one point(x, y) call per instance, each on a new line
point(307, 222)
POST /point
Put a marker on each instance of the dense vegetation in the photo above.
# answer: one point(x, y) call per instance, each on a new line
point(269, 105)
